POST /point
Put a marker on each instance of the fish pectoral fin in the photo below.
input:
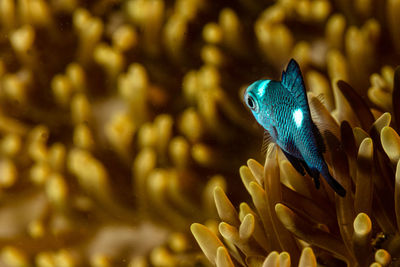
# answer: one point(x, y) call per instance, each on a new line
point(266, 140)
point(296, 163)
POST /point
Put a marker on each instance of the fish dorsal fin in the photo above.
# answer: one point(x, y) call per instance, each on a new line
point(292, 80)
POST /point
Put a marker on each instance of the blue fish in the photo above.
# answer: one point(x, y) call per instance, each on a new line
point(281, 107)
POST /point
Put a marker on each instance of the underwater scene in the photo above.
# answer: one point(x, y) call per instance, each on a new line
point(148, 133)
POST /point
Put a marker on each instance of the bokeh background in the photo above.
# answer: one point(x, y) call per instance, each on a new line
point(123, 130)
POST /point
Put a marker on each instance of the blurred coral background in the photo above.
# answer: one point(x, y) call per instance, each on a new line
point(124, 140)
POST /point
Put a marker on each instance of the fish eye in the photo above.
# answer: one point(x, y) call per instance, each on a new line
point(251, 103)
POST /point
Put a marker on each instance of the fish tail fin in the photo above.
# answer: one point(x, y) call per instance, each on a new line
point(333, 183)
